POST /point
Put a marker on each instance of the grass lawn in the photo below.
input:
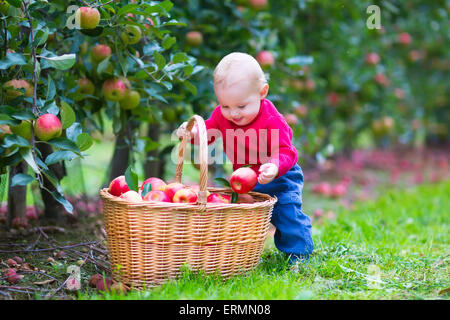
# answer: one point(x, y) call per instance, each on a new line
point(393, 248)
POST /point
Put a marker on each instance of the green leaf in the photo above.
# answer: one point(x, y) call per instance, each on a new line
point(234, 197)
point(147, 189)
point(12, 59)
point(65, 144)
point(15, 3)
point(51, 89)
point(168, 42)
point(127, 9)
point(190, 87)
point(102, 66)
point(60, 198)
point(64, 62)
point(223, 182)
point(84, 141)
point(131, 178)
point(180, 57)
point(21, 179)
point(59, 156)
point(15, 140)
point(160, 60)
point(28, 157)
point(67, 115)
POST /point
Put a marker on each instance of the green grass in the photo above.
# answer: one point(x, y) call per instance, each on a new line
point(402, 237)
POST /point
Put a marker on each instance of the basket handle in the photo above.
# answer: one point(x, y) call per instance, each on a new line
point(203, 156)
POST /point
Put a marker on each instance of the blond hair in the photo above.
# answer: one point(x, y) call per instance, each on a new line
point(236, 67)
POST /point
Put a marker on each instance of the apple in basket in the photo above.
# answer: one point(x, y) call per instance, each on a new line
point(157, 196)
point(156, 183)
point(118, 186)
point(245, 198)
point(196, 188)
point(131, 196)
point(243, 180)
point(185, 195)
point(172, 188)
point(218, 198)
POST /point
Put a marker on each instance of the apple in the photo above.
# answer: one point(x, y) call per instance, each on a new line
point(291, 118)
point(47, 127)
point(85, 86)
point(258, 4)
point(131, 100)
point(372, 58)
point(194, 38)
point(414, 55)
point(114, 89)
point(147, 25)
point(156, 183)
point(318, 213)
point(172, 188)
point(131, 35)
point(4, 130)
point(243, 180)
point(310, 85)
point(118, 186)
point(245, 198)
point(31, 213)
point(131, 196)
point(404, 38)
point(218, 198)
point(11, 276)
point(333, 99)
point(338, 190)
point(381, 79)
point(100, 52)
point(185, 195)
point(265, 59)
point(19, 222)
point(104, 284)
point(322, 188)
point(399, 93)
point(157, 196)
point(23, 129)
point(17, 84)
point(301, 110)
point(4, 6)
point(87, 18)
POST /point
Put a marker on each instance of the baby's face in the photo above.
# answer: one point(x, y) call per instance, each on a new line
point(239, 102)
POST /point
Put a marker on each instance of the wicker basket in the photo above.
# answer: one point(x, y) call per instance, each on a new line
point(151, 241)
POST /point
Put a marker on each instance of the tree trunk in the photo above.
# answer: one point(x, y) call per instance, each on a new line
point(17, 195)
point(53, 209)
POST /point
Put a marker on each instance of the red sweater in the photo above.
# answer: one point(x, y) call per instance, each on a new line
point(252, 144)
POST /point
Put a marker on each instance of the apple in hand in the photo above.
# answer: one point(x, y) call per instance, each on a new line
point(87, 18)
point(185, 195)
point(172, 188)
point(243, 180)
point(131, 100)
point(156, 183)
point(47, 127)
point(114, 89)
point(131, 196)
point(218, 198)
point(100, 52)
point(118, 186)
point(157, 196)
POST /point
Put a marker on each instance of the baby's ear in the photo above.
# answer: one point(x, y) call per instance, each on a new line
point(264, 91)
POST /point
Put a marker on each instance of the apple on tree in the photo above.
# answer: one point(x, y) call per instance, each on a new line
point(12, 93)
point(131, 100)
point(87, 18)
point(118, 186)
point(131, 35)
point(243, 180)
point(85, 86)
point(47, 127)
point(265, 59)
point(100, 52)
point(194, 38)
point(114, 89)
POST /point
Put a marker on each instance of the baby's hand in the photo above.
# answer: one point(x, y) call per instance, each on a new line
point(268, 172)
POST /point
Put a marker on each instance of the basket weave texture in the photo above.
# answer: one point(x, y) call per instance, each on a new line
point(150, 241)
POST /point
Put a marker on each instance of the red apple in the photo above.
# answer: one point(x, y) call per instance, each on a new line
point(322, 188)
point(31, 213)
point(156, 183)
point(131, 100)
point(404, 38)
point(85, 86)
point(157, 196)
point(310, 85)
point(291, 118)
point(265, 59)
point(245, 198)
point(194, 38)
point(381, 79)
point(11, 276)
point(414, 55)
point(19, 222)
point(338, 190)
point(172, 188)
point(100, 52)
point(318, 213)
point(218, 198)
point(372, 58)
point(131, 196)
point(94, 279)
point(333, 99)
point(118, 186)
point(12, 93)
point(185, 195)
point(104, 284)
point(258, 4)
point(114, 89)
point(301, 110)
point(243, 180)
point(87, 18)
point(47, 127)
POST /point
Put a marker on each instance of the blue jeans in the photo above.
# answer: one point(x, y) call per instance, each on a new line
point(293, 233)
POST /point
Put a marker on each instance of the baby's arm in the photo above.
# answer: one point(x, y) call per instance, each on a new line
point(268, 172)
